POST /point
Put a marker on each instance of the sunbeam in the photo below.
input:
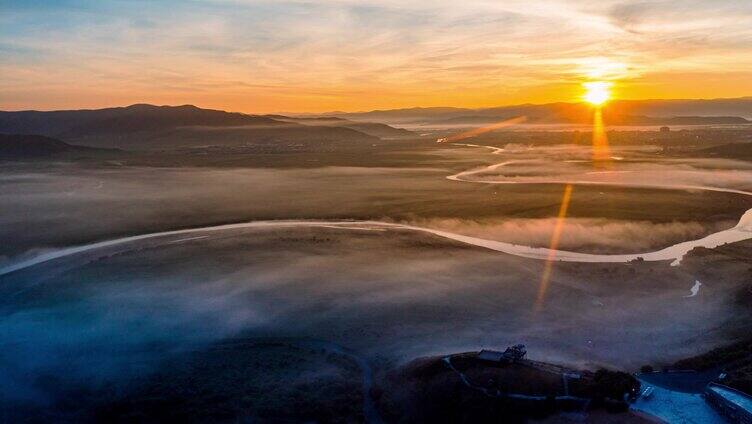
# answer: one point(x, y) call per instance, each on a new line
point(553, 246)
point(601, 151)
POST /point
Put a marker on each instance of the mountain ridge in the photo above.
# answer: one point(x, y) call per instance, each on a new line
point(565, 112)
point(143, 126)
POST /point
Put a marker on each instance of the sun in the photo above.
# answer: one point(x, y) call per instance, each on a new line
point(597, 92)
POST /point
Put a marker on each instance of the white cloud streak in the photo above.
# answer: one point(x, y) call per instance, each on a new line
point(324, 52)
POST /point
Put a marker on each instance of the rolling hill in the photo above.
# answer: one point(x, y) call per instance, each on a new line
point(19, 146)
point(147, 127)
point(375, 129)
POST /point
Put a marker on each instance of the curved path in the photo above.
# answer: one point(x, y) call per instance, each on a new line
point(370, 412)
point(674, 253)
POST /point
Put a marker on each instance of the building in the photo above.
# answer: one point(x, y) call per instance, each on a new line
point(736, 406)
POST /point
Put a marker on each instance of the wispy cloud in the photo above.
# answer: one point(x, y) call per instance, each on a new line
point(262, 55)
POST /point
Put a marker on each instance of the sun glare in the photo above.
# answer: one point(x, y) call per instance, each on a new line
point(597, 93)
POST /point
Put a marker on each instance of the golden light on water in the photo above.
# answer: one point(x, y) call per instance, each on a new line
point(601, 151)
point(597, 92)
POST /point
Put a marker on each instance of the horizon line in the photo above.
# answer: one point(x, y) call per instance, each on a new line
point(332, 112)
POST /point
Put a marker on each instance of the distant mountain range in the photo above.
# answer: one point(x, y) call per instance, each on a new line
point(144, 126)
point(620, 112)
point(148, 127)
point(119, 120)
point(611, 119)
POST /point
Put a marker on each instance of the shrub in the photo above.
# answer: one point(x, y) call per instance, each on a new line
point(614, 385)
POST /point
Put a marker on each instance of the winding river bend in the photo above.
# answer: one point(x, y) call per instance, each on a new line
point(675, 253)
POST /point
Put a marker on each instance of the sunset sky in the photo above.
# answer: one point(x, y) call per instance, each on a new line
point(323, 55)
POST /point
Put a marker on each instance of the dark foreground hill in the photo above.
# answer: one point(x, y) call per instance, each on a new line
point(158, 127)
point(19, 146)
point(462, 388)
point(135, 118)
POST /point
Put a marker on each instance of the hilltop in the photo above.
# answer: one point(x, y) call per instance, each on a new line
point(141, 126)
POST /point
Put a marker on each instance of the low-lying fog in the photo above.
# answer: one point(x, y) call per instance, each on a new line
point(392, 295)
point(592, 235)
point(676, 174)
point(62, 205)
point(636, 167)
